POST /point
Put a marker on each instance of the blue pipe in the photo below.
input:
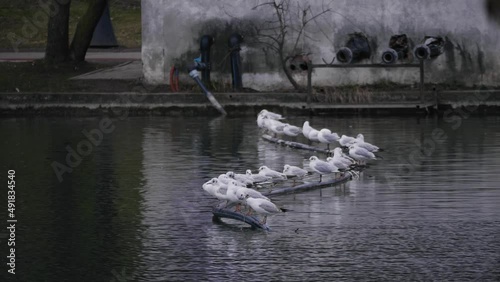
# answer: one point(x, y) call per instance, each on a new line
point(235, 41)
point(206, 42)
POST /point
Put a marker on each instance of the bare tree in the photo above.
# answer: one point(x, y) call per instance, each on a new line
point(283, 32)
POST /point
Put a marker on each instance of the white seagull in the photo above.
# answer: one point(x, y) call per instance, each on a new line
point(263, 207)
point(321, 167)
point(337, 163)
point(211, 186)
point(306, 128)
point(360, 141)
point(264, 170)
point(326, 136)
point(345, 140)
point(338, 155)
point(271, 115)
point(223, 179)
point(257, 178)
point(313, 135)
point(360, 154)
point(294, 171)
point(242, 178)
point(275, 126)
point(291, 130)
point(243, 192)
point(231, 194)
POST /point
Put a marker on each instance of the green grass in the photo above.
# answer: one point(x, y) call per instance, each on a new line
point(25, 21)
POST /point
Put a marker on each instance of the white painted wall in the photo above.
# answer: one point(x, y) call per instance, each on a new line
point(171, 30)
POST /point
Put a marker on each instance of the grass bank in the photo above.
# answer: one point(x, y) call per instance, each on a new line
point(24, 23)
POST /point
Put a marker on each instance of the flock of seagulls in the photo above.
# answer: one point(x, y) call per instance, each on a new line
point(233, 188)
point(359, 150)
point(238, 189)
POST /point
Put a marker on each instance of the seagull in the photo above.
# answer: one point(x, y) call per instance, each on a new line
point(264, 170)
point(291, 130)
point(271, 115)
point(346, 140)
point(313, 135)
point(223, 179)
point(243, 192)
point(337, 163)
point(275, 126)
point(321, 167)
point(266, 114)
point(257, 178)
point(325, 135)
point(241, 178)
point(339, 155)
point(294, 171)
point(360, 137)
point(360, 154)
point(211, 186)
point(360, 141)
point(368, 146)
point(263, 206)
point(231, 193)
point(306, 128)
point(221, 194)
point(260, 121)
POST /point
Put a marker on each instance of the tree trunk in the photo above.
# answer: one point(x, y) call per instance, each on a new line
point(85, 29)
point(289, 75)
point(57, 50)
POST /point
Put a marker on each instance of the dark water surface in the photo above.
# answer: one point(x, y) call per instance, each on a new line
point(133, 208)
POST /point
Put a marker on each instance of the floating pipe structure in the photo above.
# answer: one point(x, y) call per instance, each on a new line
point(235, 41)
point(356, 49)
point(223, 211)
point(295, 145)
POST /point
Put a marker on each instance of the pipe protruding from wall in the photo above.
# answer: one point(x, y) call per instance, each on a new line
point(345, 55)
point(390, 56)
point(431, 48)
point(206, 42)
point(193, 73)
point(299, 62)
point(356, 49)
point(235, 41)
point(398, 49)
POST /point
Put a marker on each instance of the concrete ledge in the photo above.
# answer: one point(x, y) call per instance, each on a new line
point(236, 104)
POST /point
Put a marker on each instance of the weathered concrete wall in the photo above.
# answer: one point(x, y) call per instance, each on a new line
point(171, 30)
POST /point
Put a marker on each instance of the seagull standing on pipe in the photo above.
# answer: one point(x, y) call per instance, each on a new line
point(361, 154)
point(263, 207)
point(326, 136)
point(257, 178)
point(264, 170)
point(321, 167)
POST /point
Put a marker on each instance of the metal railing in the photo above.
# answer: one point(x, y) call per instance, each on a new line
point(311, 66)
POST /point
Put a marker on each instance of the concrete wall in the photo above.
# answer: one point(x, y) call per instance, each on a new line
point(171, 30)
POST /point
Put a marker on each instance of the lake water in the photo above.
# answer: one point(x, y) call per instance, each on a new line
point(132, 208)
